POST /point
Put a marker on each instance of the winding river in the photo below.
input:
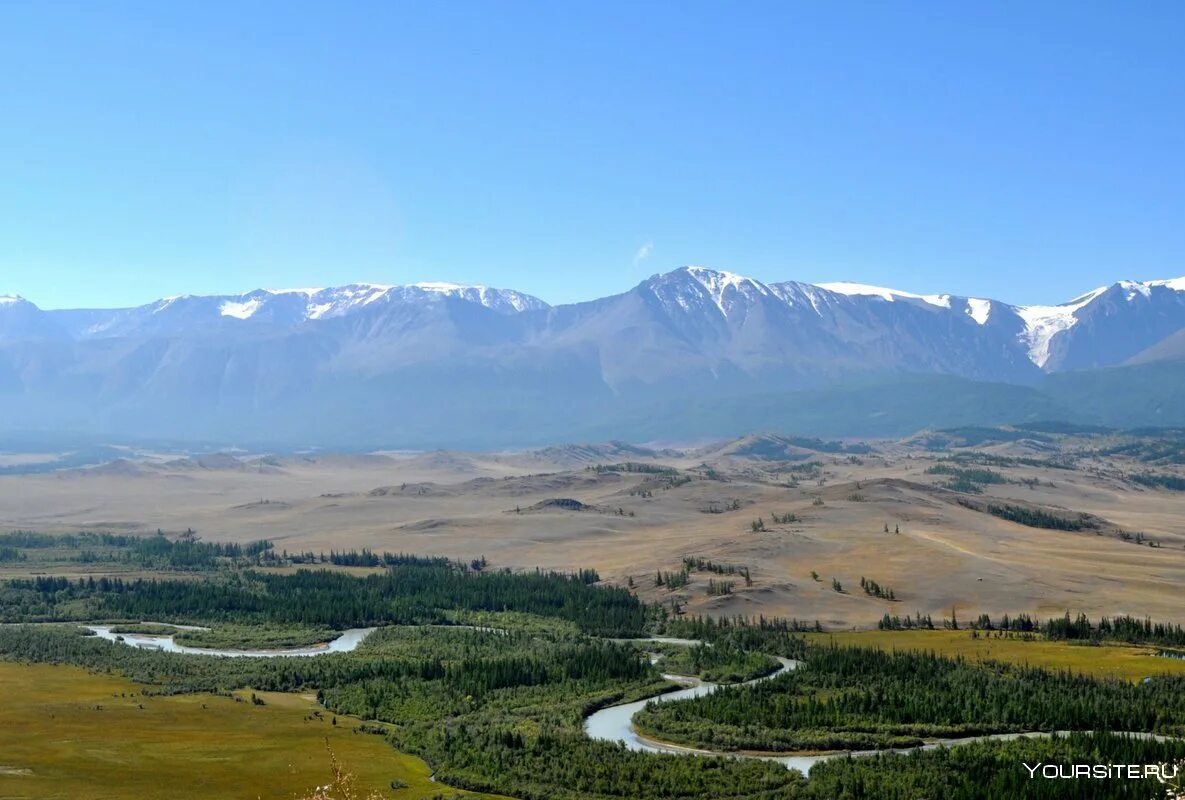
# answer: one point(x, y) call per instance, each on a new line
point(610, 724)
point(349, 640)
point(615, 724)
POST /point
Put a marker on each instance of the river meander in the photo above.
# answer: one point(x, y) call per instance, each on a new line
point(347, 641)
point(615, 724)
point(611, 724)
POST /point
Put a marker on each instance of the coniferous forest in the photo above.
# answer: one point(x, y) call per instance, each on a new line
point(861, 698)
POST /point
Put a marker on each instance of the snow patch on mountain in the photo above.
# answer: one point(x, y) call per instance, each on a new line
point(240, 310)
point(444, 287)
point(1176, 284)
point(979, 310)
point(891, 295)
point(1042, 323)
point(339, 301)
point(496, 299)
point(294, 291)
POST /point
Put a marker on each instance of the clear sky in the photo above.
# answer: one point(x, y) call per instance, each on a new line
point(1018, 150)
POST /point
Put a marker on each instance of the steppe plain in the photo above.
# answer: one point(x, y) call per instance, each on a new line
point(877, 510)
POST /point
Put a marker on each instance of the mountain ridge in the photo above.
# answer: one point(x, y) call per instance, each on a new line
point(1042, 328)
point(472, 364)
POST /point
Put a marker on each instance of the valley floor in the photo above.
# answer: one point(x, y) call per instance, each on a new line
point(883, 516)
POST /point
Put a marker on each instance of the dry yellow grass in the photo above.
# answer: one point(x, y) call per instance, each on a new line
point(1104, 661)
point(462, 506)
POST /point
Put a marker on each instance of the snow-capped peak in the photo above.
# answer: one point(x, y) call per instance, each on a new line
point(1043, 323)
point(1132, 288)
point(720, 285)
point(11, 299)
point(717, 279)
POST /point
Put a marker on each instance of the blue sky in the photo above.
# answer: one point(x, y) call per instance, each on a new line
point(1024, 151)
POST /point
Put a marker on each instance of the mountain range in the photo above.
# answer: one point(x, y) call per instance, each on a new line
point(690, 353)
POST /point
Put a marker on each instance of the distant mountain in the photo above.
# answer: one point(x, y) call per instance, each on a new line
point(275, 309)
point(20, 319)
point(690, 352)
point(1105, 327)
